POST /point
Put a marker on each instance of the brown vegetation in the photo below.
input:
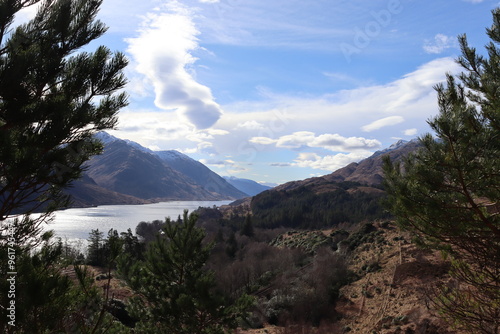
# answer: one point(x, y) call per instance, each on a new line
point(392, 294)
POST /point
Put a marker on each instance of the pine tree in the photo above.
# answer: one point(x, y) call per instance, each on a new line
point(46, 300)
point(448, 193)
point(231, 245)
point(52, 100)
point(95, 248)
point(177, 295)
point(247, 228)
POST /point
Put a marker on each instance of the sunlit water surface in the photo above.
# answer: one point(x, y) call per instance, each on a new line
point(74, 224)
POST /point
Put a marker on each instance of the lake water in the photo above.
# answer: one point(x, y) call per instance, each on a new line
point(78, 222)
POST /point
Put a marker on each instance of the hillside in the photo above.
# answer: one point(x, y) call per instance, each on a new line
point(200, 173)
point(348, 195)
point(367, 172)
point(249, 187)
point(85, 192)
point(397, 282)
point(128, 173)
point(393, 285)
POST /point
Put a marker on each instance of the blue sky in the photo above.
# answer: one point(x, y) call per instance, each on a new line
point(284, 90)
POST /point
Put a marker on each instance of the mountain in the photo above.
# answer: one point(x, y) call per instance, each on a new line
point(367, 172)
point(85, 192)
point(194, 170)
point(249, 187)
point(348, 195)
point(199, 173)
point(142, 175)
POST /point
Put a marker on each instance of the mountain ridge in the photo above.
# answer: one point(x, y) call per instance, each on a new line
point(348, 195)
point(143, 176)
point(128, 173)
point(250, 187)
point(368, 171)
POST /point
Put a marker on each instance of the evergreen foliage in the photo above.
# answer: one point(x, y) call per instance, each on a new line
point(247, 228)
point(52, 100)
point(148, 230)
point(175, 293)
point(95, 249)
point(46, 299)
point(304, 208)
point(231, 245)
point(448, 193)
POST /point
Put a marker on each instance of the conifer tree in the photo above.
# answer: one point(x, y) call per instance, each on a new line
point(52, 100)
point(247, 228)
point(95, 248)
point(176, 293)
point(448, 193)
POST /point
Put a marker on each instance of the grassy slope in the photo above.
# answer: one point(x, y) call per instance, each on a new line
point(392, 294)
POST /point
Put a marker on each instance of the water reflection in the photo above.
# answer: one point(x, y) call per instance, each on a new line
point(78, 222)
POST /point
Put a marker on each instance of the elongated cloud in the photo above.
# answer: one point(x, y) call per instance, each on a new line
point(380, 123)
point(332, 142)
point(163, 54)
point(330, 162)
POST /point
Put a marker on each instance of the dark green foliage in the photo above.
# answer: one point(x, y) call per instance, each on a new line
point(231, 245)
point(148, 230)
point(303, 208)
point(95, 249)
point(175, 293)
point(52, 100)
point(448, 192)
point(46, 299)
point(104, 252)
point(247, 228)
point(40, 291)
point(132, 246)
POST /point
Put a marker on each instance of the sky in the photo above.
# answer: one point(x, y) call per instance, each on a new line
point(275, 90)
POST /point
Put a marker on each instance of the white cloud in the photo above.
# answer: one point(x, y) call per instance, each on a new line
point(336, 142)
point(163, 54)
point(25, 14)
point(262, 140)
point(330, 162)
point(439, 44)
point(216, 132)
point(411, 97)
point(383, 122)
point(332, 142)
point(199, 136)
point(251, 130)
point(250, 125)
point(410, 132)
point(296, 140)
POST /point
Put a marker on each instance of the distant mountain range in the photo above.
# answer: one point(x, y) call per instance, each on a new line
point(128, 173)
point(350, 194)
point(367, 172)
point(247, 186)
